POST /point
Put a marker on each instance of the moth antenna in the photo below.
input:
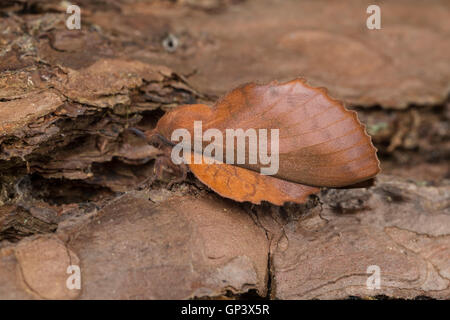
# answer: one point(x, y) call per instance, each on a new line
point(150, 136)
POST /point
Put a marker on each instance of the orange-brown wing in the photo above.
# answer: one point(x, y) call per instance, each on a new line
point(321, 143)
point(242, 184)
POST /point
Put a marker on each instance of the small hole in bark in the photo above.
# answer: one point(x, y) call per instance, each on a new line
point(170, 43)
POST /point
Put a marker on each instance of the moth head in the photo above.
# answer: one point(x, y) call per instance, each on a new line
point(182, 117)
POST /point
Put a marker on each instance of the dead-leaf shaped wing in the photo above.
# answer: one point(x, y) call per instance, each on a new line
point(321, 143)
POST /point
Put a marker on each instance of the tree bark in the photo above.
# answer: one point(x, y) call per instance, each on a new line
point(72, 176)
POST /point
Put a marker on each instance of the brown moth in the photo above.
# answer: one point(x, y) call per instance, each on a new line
point(320, 142)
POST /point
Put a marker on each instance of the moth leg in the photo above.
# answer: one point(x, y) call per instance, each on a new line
point(163, 163)
point(158, 168)
point(183, 170)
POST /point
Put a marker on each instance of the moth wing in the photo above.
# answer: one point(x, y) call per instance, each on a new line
point(321, 143)
point(241, 184)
